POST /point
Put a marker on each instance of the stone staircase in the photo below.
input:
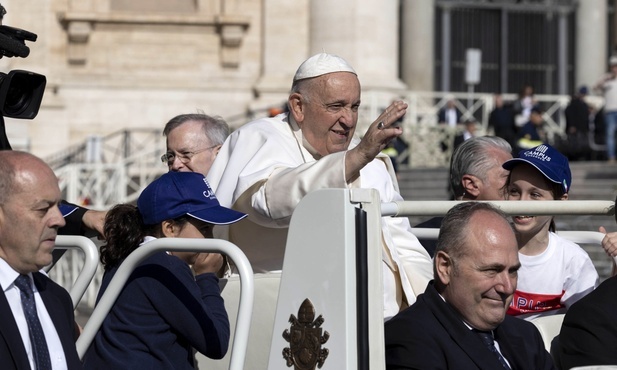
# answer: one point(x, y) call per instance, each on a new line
point(590, 181)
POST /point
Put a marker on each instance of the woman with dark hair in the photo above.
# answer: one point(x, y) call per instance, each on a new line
point(171, 302)
point(554, 272)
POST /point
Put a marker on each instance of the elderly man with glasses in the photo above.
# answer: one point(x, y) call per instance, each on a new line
point(193, 141)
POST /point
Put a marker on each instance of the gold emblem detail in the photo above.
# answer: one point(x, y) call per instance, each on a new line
point(305, 339)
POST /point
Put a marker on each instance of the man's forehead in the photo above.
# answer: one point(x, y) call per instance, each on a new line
point(336, 86)
point(190, 127)
point(33, 175)
point(187, 138)
point(45, 193)
point(489, 228)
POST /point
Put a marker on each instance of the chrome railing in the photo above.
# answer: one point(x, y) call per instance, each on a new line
point(116, 285)
point(67, 272)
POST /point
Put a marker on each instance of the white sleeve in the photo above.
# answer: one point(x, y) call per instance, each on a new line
point(262, 170)
point(404, 247)
point(582, 277)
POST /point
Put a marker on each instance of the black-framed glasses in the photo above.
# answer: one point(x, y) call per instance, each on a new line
point(184, 157)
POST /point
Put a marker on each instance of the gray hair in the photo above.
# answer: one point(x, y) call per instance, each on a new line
point(471, 158)
point(455, 226)
point(303, 87)
point(215, 127)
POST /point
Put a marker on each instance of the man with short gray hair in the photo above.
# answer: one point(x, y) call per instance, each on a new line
point(193, 141)
point(475, 174)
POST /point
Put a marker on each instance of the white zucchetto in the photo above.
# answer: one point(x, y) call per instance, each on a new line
point(321, 64)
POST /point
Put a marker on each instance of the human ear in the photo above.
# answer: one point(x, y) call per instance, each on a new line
point(170, 229)
point(296, 107)
point(471, 185)
point(443, 267)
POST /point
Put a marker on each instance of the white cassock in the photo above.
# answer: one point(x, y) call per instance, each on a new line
point(265, 168)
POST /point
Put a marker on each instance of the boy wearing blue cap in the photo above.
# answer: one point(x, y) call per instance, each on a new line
point(165, 309)
point(554, 272)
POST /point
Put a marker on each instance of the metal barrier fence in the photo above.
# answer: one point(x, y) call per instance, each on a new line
point(114, 288)
point(369, 202)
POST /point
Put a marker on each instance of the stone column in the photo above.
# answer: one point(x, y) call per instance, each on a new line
point(363, 32)
point(591, 41)
point(417, 44)
point(446, 40)
point(285, 45)
point(562, 53)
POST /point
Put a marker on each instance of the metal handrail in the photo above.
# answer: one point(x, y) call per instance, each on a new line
point(245, 271)
point(91, 262)
point(579, 237)
point(523, 207)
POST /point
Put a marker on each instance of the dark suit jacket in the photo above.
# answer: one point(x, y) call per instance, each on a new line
point(431, 335)
point(60, 307)
point(441, 115)
point(589, 331)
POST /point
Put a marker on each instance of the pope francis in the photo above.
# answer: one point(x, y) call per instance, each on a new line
point(267, 166)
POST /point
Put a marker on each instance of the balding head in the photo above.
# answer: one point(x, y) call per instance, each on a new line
point(14, 166)
point(476, 263)
point(29, 214)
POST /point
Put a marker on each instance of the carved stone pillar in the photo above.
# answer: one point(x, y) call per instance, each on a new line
point(282, 50)
point(363, 32)
point(417, 44)
point(591, 39)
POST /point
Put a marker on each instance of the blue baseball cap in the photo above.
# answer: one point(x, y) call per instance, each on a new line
point(176, 194)
point(546, 159)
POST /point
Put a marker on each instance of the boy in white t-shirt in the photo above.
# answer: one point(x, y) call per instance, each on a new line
point(554, 272)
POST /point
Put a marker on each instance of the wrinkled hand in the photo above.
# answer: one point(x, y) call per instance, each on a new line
point(207, 262)
point(377, 137)
point(95, 220)
point(609, 243)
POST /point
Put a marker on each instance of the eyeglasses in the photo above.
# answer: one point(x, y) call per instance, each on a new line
point(184, 157)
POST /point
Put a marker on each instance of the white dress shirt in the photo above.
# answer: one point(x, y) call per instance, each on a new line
point(13, 296)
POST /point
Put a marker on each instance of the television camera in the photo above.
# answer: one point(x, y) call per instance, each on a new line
point(21, 92)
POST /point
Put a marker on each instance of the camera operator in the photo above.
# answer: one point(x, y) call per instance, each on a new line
point(21, 93)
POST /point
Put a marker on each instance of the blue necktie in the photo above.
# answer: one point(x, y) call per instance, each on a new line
point(487, 338)
point(37, 337)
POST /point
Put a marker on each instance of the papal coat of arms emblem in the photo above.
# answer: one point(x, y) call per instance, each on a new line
point(305, 339)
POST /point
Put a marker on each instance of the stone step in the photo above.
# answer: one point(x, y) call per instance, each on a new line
point(590, 180)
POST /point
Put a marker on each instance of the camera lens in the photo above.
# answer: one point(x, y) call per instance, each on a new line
point(17, 99)
point(21, 93)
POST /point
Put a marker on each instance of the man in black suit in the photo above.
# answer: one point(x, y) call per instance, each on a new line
point(449, 115)
point(37, 327)
point(460, 321)
point(589, 330)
